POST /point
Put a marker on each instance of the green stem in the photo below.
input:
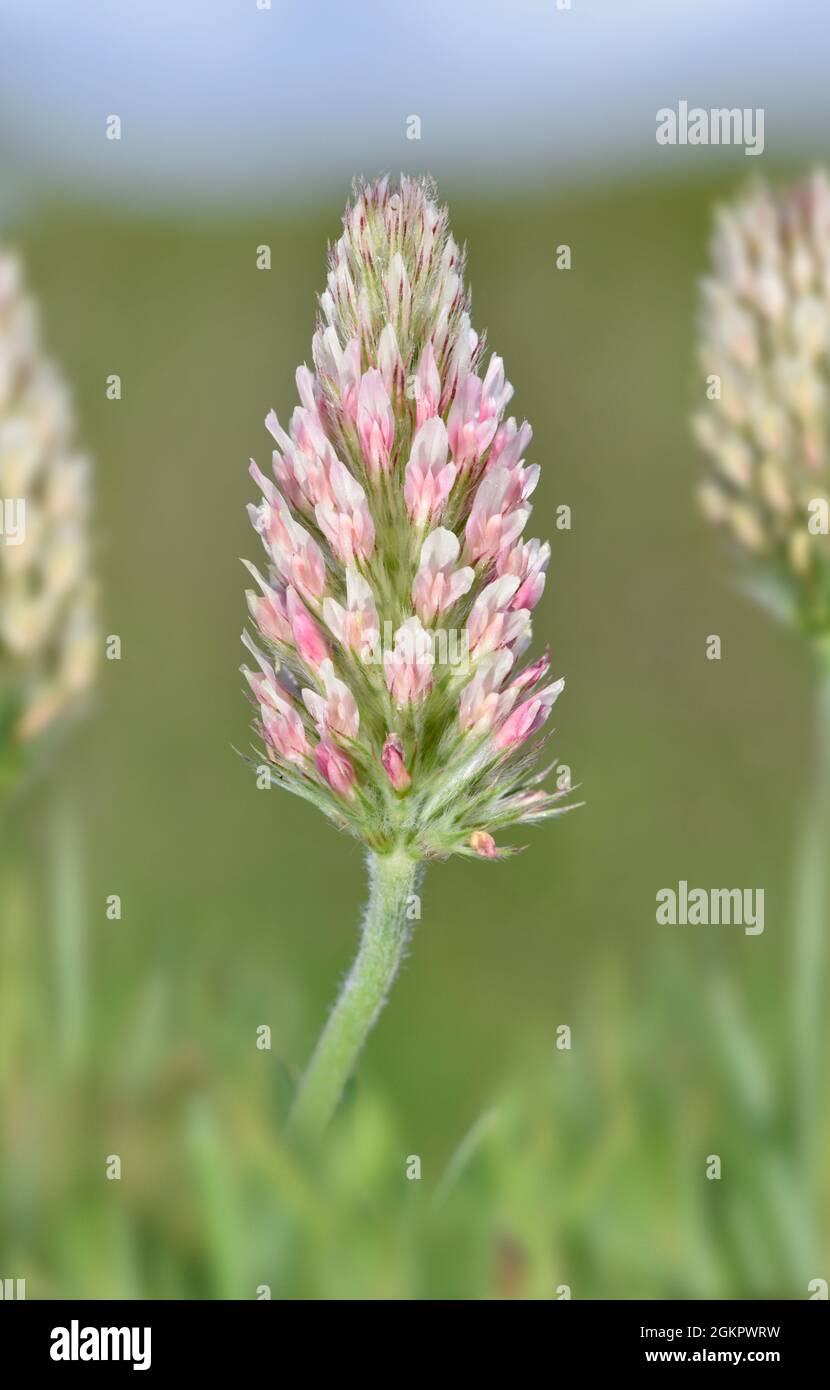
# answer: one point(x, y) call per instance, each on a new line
point(811, 921)
point(68, 936)
point(387, 927)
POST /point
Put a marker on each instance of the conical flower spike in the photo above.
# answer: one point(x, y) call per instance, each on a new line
point(765, 355)
point(48, 634)
point(398, 586)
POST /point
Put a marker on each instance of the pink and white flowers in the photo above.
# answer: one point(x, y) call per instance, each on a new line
point(438, 585)
point(428, 477)
point(393, 531)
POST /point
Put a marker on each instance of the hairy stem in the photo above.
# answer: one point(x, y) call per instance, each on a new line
point(387, 927)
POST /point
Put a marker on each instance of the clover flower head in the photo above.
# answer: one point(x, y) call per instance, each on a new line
point(396, 598)
point(765, 351)
point(48, 634)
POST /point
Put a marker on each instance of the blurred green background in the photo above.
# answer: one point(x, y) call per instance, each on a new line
point(544, 1172)
point(541, 1168)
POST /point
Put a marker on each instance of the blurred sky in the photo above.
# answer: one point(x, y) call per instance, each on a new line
point(224, 103)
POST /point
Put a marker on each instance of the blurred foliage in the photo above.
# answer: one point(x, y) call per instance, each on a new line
point(588, 1171)
point(138, 1037)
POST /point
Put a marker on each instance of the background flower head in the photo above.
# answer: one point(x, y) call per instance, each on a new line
point(48, 631)
point(765, 351)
